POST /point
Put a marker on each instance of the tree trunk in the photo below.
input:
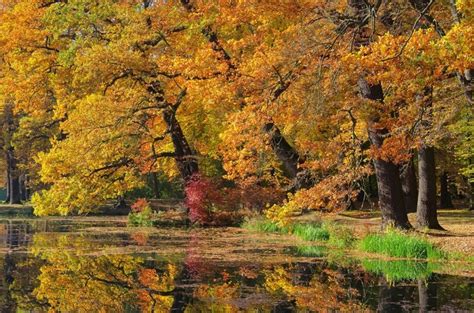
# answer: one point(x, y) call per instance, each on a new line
point(389, 185)
point(471, 205)
point(283, 150)
point(7, 185)
point(409, 186)
point(427, 215)
point(391, 200)
point(185, 156)
point(14, 179)
point(446, 201)
point(155, 184)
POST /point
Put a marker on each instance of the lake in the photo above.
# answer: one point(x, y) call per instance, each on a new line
point(97, 264)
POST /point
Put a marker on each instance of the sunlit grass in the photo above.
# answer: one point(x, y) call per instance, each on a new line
point(263, 225)
point(309, 251)
point(310, 231)
point(397, 244)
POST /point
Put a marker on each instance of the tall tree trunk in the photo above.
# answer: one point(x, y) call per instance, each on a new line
point(446, 201)
point(7, 196)
point(155, 184)
point(14, 179)
point(409, 186)
point(471, 204)
point(185, 156)
point(427, 215)
point(389, 185)
point(391, 200)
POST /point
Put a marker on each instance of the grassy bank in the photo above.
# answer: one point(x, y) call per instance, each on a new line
point(332, 234)
point(391, 243)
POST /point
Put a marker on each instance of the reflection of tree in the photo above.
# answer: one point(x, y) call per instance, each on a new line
point(24, 281)
point(112, 283)
point(317, 291)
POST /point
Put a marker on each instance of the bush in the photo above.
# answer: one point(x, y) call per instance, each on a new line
point(210, 202)
point(340, 236)
point(141, 215)
point(397, 244)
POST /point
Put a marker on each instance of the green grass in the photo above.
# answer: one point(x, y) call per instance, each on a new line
point(399, 270)
point(397, 244)
point(336, 235)
point(309, 251)
point(311, 231)
point(340, 236)
point(263, 226)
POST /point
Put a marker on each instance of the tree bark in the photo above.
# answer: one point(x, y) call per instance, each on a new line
point(391, 201)
point(14, 179)
point(409, 186)
point(288, 156)
point(7, 185)
point(427, 215)
point(185, 156)
point(155, 184)
point(390, 192)
point(446, 201)
point(471, 205)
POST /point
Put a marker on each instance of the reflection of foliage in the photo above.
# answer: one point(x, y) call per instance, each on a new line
point(70, 282)
point(323, 292)
point(218, 297)
point(398, 270)
point(25, 280)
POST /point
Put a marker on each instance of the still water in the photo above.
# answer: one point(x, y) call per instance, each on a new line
point(99, 265)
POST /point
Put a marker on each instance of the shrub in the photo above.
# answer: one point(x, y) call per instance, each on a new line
point(397, 244)
point(200, 195)
point(141, 215)
point(340, 236)
point(210, 202)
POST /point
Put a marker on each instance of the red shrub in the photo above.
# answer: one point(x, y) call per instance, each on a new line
point(139, 205)
point(211, 203)
point(199, 192)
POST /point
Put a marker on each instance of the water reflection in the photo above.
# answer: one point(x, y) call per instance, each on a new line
point(79, 271)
